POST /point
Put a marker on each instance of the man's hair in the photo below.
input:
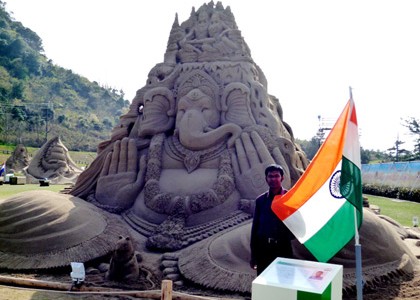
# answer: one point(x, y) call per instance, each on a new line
point(274, 167)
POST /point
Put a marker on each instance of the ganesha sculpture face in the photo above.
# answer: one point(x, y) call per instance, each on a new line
point(198, 120)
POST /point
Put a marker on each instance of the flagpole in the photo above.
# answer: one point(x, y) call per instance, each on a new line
point(358, 251)
point(357, 247)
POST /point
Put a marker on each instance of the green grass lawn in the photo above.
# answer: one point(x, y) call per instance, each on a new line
point(399, 210)
point(7, 190)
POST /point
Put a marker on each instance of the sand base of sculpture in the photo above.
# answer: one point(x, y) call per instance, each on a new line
point(69, 229)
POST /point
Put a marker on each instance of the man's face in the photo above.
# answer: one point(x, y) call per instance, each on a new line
point(274, 179)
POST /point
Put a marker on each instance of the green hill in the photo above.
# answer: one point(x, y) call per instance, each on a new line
point(40, 100)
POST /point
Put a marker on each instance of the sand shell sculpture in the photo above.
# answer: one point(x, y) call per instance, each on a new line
point(53, 162)
point(186, 162)
point(43, 229)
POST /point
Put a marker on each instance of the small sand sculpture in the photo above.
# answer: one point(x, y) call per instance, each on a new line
point(123, 265)
point(53, 162)
point(19, 159)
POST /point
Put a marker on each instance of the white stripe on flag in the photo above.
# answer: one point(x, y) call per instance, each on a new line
point(315, 213)
point(351, 148)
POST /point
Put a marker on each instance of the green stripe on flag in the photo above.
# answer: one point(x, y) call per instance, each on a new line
point(334, 235)
point(351, 186)
point(326, 295)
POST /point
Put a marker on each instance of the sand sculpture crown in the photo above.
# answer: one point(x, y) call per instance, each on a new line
point(210, 34)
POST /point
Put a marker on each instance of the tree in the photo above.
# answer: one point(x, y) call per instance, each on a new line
point(397, 153)
point(413, 126)
point(375, 156)
point(364, 156)
point(320, 137)
point(18, 69)
point(19, 113)
point(61, 119)
point(310, 147)
point(30, 37)
point(17, 89)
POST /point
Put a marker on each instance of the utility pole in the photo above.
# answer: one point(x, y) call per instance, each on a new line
point(46, 123)
point(5, 111)
point(48, 112)
point(325, 125)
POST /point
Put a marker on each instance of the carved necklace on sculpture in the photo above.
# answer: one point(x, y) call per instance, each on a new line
point(169, 235)
point(191, 159)
point(171, 204)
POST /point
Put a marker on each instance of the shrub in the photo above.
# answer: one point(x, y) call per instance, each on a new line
point(402, 193)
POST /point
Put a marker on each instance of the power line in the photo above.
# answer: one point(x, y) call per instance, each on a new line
point(47, 104)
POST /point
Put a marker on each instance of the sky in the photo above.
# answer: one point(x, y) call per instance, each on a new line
point(311, 52)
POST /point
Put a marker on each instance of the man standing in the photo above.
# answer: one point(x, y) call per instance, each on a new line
point(270, 238)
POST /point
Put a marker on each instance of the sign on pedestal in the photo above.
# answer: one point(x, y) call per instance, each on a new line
point(292, 279)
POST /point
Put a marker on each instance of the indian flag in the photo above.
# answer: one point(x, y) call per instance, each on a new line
point(3, 169)
point(324, 208)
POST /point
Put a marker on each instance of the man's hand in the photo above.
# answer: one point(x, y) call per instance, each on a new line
point(122, 176)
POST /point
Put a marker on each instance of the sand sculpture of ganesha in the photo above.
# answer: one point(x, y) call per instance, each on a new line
point(187, 161)
point(190, 155)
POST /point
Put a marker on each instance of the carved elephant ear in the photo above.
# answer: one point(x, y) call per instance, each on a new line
point(236, 105)
point(158, 114)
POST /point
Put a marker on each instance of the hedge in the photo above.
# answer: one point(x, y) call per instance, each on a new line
point(402, 193)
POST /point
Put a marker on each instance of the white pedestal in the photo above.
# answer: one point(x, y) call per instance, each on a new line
point(7, 177)
point(292, 279)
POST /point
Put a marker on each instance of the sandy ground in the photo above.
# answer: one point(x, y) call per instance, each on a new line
point(402, 288)
point(407, 287)
point(387, 288)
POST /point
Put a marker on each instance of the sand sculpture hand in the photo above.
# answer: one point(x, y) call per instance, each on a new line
point(249, 161)
point(122, 176)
